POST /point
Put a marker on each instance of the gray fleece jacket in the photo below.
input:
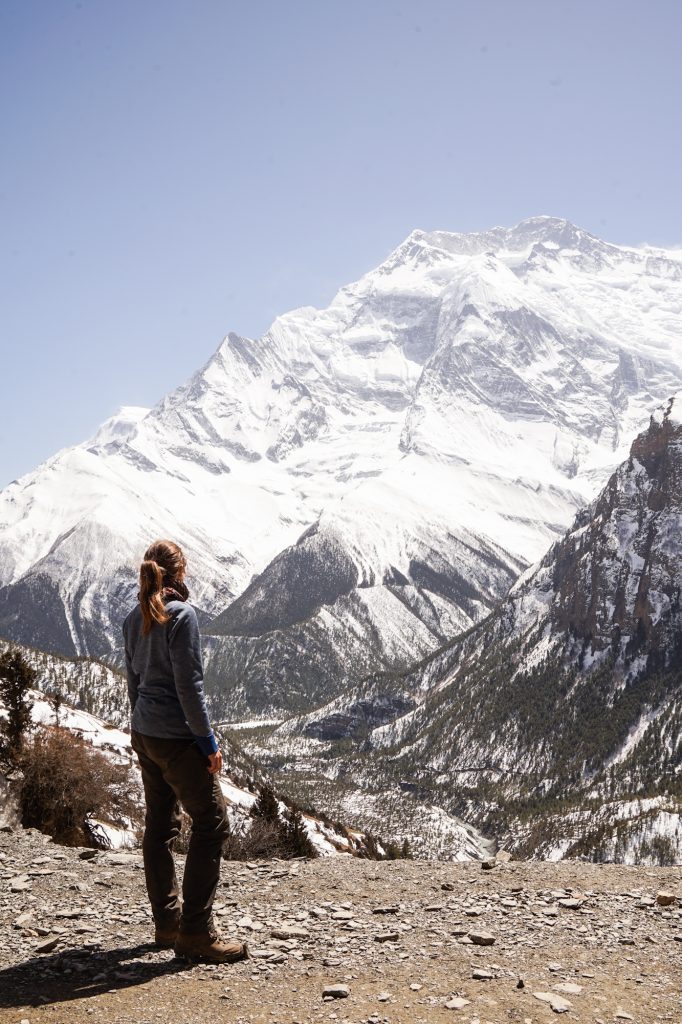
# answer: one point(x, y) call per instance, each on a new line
point(166, 678)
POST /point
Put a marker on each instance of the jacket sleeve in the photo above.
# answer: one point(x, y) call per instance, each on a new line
point(184, 646)
point(133, 677)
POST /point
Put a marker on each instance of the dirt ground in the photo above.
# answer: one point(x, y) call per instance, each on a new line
point(405, 937)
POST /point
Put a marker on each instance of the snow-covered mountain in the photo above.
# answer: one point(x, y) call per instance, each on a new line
point(366, 480)
point(557, 722)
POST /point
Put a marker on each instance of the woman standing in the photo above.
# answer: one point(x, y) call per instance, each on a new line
point(179, 758)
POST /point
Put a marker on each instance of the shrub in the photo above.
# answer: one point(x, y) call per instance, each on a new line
point(267, 835)
point(66, 781)
point(261, 840)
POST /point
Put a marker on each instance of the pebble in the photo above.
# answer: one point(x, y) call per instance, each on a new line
point(457, 1003)
point(482, 938)
point(47, 945)
point(335, 992)
point(293, 931)
point(645, 903)
point(558, 1003)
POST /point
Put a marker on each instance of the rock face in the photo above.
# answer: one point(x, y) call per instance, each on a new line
point(365, 481)
point(615, 578)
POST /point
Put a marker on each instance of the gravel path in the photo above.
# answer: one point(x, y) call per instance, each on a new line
point(394, 942)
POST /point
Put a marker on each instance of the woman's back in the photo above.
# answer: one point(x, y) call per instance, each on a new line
point(165, 674)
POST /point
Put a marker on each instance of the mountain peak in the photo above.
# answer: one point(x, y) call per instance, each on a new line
point(120, 426)
point(555, 232)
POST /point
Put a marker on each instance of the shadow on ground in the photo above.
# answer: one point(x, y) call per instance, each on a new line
point(81, 973)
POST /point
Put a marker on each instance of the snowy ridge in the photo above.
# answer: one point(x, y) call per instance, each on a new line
point(465, 397)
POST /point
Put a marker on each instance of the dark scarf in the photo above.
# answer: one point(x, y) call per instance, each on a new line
point(175, 591)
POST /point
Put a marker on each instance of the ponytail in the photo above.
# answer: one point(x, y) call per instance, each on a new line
point(151, 595)
point(161, 575)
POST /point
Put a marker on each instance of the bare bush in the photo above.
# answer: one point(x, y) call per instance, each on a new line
point(67, 781)
point(258, 840)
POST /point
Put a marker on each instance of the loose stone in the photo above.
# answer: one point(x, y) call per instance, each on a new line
point(335, 992)
point(557, 1003)
point(569, 988)
point(47, 945)
point(457, 1003)
point(289, 932)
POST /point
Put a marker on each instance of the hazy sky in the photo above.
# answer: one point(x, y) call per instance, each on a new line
point(174, 170)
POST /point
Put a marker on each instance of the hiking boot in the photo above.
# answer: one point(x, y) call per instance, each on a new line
point(209, 946)
point(165, 936)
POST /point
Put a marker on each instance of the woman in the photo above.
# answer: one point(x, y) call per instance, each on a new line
point(179, 758)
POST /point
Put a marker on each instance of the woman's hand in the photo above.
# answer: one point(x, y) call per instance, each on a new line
point(215, 762)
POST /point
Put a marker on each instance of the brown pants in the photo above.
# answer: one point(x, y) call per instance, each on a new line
point(176, 772)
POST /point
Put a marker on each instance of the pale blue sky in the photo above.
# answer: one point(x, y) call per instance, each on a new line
point(174, 170)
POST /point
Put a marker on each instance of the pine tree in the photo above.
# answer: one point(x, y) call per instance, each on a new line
point(56, 700)
point(16, 679)
point(266, 806)
point(295, 834)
